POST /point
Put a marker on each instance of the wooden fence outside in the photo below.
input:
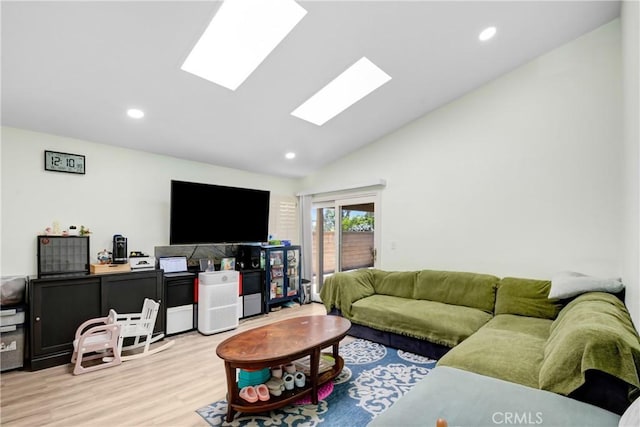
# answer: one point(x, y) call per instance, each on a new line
point(357, 250)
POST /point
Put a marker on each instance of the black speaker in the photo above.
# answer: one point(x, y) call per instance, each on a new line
point(248, 257)
point(119, 249)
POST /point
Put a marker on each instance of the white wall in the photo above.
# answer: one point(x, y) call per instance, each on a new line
point(521, 177)
point(123, 192)
point(630, 18)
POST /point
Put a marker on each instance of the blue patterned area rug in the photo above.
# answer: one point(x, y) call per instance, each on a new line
point(373, 378)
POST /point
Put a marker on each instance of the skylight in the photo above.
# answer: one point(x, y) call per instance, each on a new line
point(352, 85)
point(240, 36)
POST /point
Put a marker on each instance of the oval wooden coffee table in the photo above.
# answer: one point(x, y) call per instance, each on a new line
point(278, 344)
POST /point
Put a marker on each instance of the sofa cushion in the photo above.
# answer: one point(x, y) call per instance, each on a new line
point(593, 332)
point(459, 288)
point(394, 283)
point(468, 399)
point(526, 297)
point(439, 323)
point(509, 347)
point(340, 290)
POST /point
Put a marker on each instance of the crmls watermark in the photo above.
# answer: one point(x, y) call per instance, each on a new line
point(517, 418)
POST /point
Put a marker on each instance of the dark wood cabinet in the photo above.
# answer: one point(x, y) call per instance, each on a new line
point(57, 306)
point(125, 293)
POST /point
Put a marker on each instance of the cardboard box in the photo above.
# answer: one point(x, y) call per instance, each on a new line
point(110, 268)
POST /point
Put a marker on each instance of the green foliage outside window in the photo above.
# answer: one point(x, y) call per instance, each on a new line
point(351, 220)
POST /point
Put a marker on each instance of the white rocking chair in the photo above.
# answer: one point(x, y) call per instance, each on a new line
point(96, 339)
point(103, 338)
point(140, 327)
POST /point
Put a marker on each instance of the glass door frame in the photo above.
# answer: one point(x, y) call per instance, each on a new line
point(337, 201)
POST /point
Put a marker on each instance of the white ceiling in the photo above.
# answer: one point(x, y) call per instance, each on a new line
point(73, 68)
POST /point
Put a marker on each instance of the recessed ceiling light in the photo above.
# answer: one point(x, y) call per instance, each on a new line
point(240, 36)
point(355, 83)
point(135, 113)
point(487, 34)
point(290, 155)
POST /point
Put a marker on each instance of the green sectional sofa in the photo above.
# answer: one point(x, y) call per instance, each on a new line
point(390, 307)
point(584, 348)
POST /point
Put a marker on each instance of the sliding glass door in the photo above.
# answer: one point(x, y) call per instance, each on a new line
point(356, 248)
point(343, 237)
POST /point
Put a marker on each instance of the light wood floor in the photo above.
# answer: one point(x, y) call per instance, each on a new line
point(163, 389)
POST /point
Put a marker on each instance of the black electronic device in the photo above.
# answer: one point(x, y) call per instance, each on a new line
point(248, 257)
point(119, 249)
point(207, 213)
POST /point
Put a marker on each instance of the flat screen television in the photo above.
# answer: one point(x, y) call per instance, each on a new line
point(207, 213)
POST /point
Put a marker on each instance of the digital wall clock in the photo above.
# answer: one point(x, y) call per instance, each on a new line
point(64, 162)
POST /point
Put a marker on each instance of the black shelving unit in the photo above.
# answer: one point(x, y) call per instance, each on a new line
point(251, 292)
point(181, 309)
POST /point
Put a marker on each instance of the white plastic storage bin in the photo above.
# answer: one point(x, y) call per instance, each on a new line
point(11, 316)
point(11, 347)
point(179, 319)
point(217, 301)
point(252, 305)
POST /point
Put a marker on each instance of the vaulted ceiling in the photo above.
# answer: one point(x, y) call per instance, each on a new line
point(73, 68)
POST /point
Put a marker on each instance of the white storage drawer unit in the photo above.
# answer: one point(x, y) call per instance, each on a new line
point(12, 337)
point(12, 346)
point(179, 319)
point(11, 316)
